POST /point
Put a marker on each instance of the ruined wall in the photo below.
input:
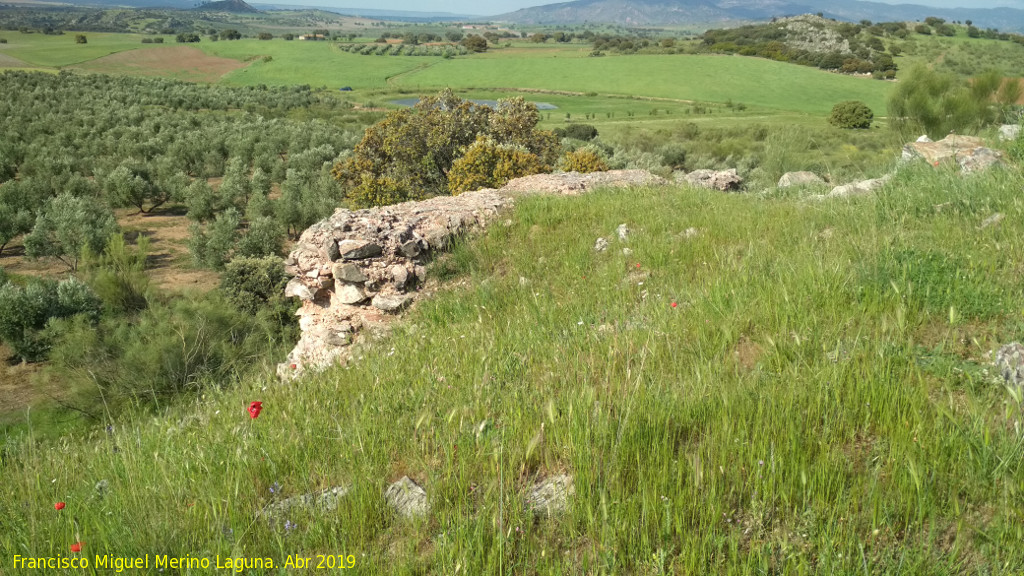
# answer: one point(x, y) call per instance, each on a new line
point(356, 270)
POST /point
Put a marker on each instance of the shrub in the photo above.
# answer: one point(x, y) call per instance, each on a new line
point(265, 36)
point(487, 164)
point(81, 39)
point(583, 160)
point(673, 155)
point(118, 276)
point(936, 103)
point(410, 153)
point(851, 114)
point(584, 132)
point(253, 284)
point(25, 312)
point(923, 29)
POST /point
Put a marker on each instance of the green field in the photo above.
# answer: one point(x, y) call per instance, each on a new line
point(757, 83)
point(313, 63)
point(51, 51)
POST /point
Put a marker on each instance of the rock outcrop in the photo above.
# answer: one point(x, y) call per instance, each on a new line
point(968, 152)
point(1009, 132)
point(799, 179)
point(723, 180)
point(1009, 363)
point(357, 269)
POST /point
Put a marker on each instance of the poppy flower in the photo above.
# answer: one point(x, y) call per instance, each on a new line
point(674, 304)
point(59, 505)
point(76, 547)
point(254, 409)
point(637, 264)
point(295, 366)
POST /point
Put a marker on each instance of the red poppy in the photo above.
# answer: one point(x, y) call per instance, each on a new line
point(254, 409)
point(295, 366)
point(674, 304)
point(637, 264)
point(59, 505)
point(76, 547)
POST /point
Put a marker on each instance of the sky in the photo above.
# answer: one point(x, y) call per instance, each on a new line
point(493, 7)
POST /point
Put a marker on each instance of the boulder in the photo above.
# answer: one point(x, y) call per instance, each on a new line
point(407, 498)
point(324, 500)
point(399, 275)
point(724, 180)
point(1009, 363)
point(358, 249)
point(391, 302)
point(623, 232)
point(799, 179)
point(348, 272)
point(550, 496)
point(601, 245)
point(1009, 132)
point(410, 249)
point(349, 293)
point(968, 152)
point(857, 188)
point(296, 289)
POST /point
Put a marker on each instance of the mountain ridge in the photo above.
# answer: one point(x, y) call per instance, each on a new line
point(707, 12)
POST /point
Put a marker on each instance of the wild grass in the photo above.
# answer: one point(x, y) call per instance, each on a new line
point(815, 402)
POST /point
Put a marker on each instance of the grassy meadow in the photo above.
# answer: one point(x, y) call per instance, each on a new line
point(797, 387)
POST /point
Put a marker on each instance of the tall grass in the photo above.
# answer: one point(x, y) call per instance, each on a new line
point(816, 402)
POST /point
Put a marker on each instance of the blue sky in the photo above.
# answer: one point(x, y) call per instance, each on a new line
point(492, 7)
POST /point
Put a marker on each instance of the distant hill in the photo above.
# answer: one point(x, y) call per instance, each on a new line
point(718, 12)
point(379, 14)
point(226, 6)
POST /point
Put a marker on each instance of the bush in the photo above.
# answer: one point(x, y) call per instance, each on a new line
point(936, 103)
point(25, 312)
point(410, 153)
point(487, 164)
point(851, 114)
point(584, 132)
point(250, 283)
point(81, 39)
point(583, 160)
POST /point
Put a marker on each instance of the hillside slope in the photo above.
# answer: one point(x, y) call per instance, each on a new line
point(760, 382)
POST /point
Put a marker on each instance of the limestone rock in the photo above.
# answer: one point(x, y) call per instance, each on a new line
point(1009, 132)
point(601, 245)
point(391, 302)
point(349, 293)
point(296, 289)
point(799, 179)
point(992, 220)
point(324, 500)
point(410, 249)
point(550, 496)
point(348, 272)
point(623, 232)
point(968, 152)
point(1010, 364)
point(399, 274)
point(857, 188)
point(358, 249)
point(407, 498)
point(724, 180)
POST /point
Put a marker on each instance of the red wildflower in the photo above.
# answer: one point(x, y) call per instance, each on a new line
point(254, 409)
point(674, 304)
point(76, 547)
point(59, 505)
point(637, 264)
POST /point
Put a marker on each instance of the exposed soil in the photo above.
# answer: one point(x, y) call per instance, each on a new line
point(12, 62)
point(180, 62)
